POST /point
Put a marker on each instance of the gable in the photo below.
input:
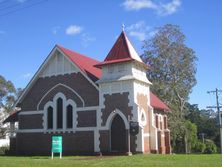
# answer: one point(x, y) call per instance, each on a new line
point(52, 67)
point(58, 64)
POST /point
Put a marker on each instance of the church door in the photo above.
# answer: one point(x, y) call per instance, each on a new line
point(118, 135)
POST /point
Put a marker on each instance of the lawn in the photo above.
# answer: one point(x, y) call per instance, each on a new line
point(112, 161)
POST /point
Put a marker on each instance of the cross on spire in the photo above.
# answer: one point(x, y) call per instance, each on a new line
point(123, 27)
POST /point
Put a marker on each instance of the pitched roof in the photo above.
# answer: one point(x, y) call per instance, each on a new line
point(121, 51)
point(156, 103)
point(86, 64)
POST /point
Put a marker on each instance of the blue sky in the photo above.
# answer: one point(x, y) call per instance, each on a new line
point(29, 29)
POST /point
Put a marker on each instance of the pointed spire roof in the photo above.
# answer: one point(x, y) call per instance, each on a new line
point(121, 51)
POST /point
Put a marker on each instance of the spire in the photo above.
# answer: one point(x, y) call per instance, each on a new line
point(121, 51)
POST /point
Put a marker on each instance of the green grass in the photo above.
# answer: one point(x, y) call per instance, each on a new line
point(116, 161)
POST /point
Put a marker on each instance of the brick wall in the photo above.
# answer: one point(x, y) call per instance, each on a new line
point(86, 118)
point(116, 101)
point(76, 81)
point(40, 144)
point(30, 121)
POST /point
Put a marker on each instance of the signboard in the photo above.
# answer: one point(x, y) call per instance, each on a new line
point(134, 128)
point(57, 145)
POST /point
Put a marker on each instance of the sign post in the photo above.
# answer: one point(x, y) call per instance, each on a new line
point(57, 145)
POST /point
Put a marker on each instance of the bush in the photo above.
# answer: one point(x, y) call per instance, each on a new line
point(210, 147)
point(199, 147)
point(3, 149)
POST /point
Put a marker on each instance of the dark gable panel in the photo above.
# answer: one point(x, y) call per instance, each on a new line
point(75, 81)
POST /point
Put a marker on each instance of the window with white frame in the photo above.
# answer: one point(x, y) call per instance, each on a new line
point(69, 116)
point(49, 117)
point(59, 113)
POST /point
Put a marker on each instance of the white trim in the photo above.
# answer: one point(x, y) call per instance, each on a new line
point(57, 130)
point(87, 108)
point(31, 112)
point(30, 131)
point(55, 68)
point(83, 73)
point(142, 112)
point(53, 105)
point(48, 104)
point(34, 78)
point(96, 141)
point(37, 74)
point(74, 113)
point(132, 51)
point(60, 84)
point(112, 115)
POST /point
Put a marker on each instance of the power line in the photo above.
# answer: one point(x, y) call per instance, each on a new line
point(216, 92)
point(20, 9)
point(12, 6)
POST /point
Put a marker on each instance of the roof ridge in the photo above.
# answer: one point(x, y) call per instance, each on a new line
point(83, 55)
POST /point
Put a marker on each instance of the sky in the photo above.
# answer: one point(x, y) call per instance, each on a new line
point(29, 29)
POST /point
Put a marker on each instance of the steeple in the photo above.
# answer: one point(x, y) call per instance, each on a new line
point(122, 51)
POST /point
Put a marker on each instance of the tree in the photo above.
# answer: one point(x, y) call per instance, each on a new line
point(172, 72)
point(8, 94)
point(206, 121)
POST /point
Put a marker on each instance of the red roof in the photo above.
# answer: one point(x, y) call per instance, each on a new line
point(86, 64)
point(121, 51)
point(156, 103)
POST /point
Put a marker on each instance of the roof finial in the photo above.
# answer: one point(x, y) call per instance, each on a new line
point(123, 27)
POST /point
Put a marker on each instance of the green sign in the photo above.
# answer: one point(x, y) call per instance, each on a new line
point(56, 144)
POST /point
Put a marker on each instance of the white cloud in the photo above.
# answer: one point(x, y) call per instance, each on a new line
point(160, 7)
point(55, 29)
point(138, 4)
point(26, 75)
point(139, 35)
point(139, 30)
point(73, 30)
point(169, 8)
point(86, 39)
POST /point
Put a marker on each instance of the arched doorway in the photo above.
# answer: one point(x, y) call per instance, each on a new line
point(118, 135)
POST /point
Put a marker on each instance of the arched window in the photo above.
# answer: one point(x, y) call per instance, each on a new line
point(59, 114)
point(69, 115)
point(59, 107)
point(50, 117)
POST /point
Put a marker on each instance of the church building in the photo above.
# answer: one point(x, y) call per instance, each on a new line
point(90, 104)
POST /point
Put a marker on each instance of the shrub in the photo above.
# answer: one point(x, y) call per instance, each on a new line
point(3, 149)
point(210, 147)
point(199, 147)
